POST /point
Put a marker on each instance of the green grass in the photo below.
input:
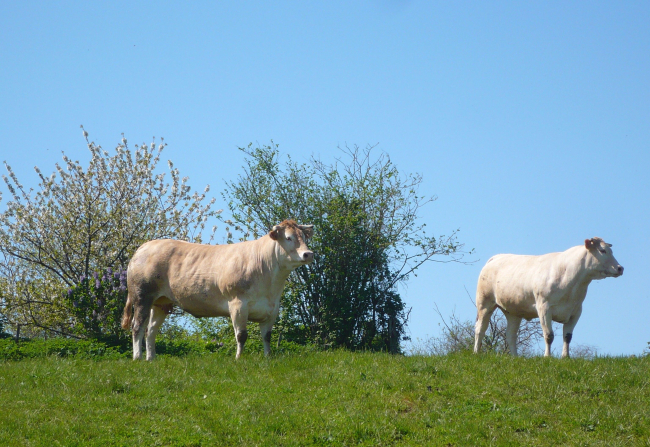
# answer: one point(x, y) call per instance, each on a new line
point(325, 398)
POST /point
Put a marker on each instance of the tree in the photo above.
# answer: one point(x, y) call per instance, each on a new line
point(367, 241)
point(81, 222)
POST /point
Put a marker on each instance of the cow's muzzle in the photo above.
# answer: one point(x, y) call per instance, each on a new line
point(619, 270)
point(307, 256)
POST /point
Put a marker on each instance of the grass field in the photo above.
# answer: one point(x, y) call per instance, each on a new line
point(325, 398)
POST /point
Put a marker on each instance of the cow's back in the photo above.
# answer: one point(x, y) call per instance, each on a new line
point(200, 278)
point(513, 281)
point(162, 258)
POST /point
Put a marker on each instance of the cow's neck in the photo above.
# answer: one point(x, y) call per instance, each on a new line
point(580, 273)
point(274, 260)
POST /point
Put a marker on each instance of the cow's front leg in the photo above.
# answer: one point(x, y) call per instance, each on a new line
point(267, 326)
point(567, 331)
point(239, 317)
point(265, 331)
point(546, 320)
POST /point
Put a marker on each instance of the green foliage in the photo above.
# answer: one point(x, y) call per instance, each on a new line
point(176, 342)
point(3, 322)
point(57, 347)
point(367, 240)
point(96, 304)
point(80, 221)
point(326, 398)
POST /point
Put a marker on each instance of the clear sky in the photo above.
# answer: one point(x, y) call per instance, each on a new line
point(528, 120)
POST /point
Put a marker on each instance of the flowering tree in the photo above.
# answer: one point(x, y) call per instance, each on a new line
point(81, 221)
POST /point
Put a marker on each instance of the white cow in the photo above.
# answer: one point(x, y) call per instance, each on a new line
point(551, 287)
point(243, 281)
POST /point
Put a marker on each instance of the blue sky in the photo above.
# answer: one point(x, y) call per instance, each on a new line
point(528, 120)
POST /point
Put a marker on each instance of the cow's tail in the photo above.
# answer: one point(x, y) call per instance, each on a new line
point(128, 313)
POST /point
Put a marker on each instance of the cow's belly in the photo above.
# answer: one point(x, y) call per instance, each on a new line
point(262, 310)
point(524, 305)
point(199, 306)
point(529, 311)
point(204, 306)
point(563, 311)
point(520, 308)
point(516, 300)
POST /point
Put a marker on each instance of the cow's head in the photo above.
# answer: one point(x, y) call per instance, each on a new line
point(293, 240)
point(603, 261)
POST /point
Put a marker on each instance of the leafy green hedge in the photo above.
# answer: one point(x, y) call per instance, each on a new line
point(89, 349)
point(57, 347)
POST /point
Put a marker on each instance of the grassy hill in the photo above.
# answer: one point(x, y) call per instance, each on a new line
point(326, 398)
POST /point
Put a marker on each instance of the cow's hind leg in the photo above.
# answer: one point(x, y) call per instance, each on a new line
point(239, 316)
point(138, 331)
point(511, 332)
point(157, 316)
point(485, 306)
point(141, 309)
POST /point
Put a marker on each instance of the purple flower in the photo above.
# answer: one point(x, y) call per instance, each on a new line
point(95, 275)
point(69, 292)
point(122, 288)
point(82, 278)
point(109, 271)
point(97, 283)
point(75, 304)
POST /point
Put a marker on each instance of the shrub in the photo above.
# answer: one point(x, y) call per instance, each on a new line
point(96, 304)
point(58, 347)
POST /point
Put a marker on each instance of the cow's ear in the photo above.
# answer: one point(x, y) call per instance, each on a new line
point(589, 243)
point(307, 230)
point(273, 234)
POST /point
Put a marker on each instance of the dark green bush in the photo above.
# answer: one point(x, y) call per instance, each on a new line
point(97, 302)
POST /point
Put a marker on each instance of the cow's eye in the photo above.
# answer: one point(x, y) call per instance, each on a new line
point(602, 251)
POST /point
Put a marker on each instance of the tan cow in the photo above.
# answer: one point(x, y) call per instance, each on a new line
point(551, 287)
point(243, 281)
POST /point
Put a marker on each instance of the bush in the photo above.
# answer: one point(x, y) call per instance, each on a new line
point(57, 347)
point(96, 303)
point(368, 239)
point(110, 348)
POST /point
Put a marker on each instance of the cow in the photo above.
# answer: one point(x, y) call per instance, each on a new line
point(243, 281)
point(551, 287)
